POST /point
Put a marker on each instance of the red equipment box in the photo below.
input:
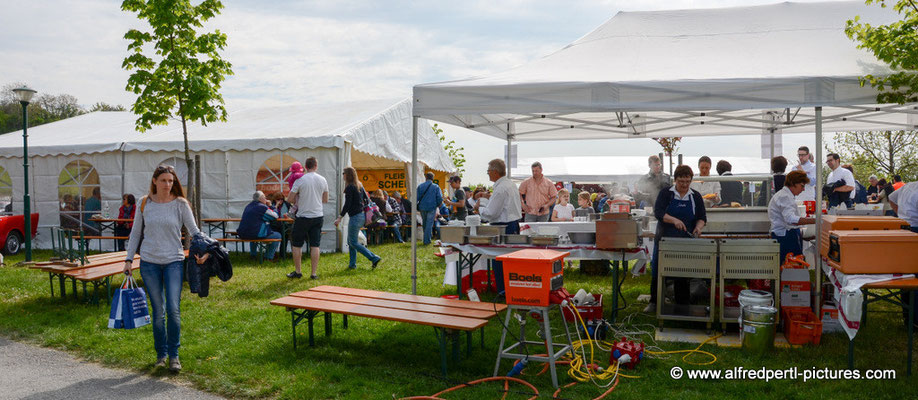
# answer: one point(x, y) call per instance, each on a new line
point(587, 312)
point(801, 325)
point(530, 275)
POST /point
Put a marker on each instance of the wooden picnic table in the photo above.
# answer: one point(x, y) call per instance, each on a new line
point(448, 317)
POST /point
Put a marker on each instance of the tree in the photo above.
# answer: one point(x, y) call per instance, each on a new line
point(43, 109)
point(185, 78)
point(102, 106)
point(879, 153)
point(670, 145)
point(895, 44)
point(455, 152)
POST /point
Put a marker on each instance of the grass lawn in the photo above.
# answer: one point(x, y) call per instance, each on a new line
point(237, 345)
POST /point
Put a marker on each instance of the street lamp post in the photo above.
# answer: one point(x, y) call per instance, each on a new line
point(25, 96)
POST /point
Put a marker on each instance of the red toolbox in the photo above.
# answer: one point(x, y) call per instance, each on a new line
point(587, 312)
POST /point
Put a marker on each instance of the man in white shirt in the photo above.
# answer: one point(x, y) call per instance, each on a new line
point(503, 208)
point(805, 165)
point(843, 194)
point(309, 193)
point(904, 202)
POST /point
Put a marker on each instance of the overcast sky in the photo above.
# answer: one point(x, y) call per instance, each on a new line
point(286, 51)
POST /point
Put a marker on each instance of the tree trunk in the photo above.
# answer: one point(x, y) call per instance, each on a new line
point(891, 150)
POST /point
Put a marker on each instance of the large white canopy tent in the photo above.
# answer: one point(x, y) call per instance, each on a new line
point(366, 135)
point(770, 69)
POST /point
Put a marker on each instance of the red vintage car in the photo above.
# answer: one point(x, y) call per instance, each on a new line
point(11, 231)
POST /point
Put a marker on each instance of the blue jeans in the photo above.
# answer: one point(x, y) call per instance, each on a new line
point(353, 228)
point(272, 247)
point(159, 279)
point(396, 230)
point(428, 216)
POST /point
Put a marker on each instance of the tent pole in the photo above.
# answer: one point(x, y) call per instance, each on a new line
point(414, 205)
point(509, 148)
point(817, 303)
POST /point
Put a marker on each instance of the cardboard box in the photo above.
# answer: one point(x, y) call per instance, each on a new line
point(829, 318)
point(795, 287)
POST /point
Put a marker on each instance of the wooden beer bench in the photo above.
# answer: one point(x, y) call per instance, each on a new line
point(261, 245)
point(448, 317)
point(97, 271)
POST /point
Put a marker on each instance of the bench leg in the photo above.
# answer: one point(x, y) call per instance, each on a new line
point(74, 288)
point(454, 335)
point(911, 329)
point(296, 318)
point(328, 324)
point(441, 340)
point(851, 354)
point(345, 321)
point(51, 280)
point(468, 343)
point(482, 337)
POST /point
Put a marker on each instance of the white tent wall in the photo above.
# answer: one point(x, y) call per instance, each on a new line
point(44, 176)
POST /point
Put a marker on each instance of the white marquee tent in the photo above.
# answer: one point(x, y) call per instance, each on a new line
point(366, 135)
point(785, 67)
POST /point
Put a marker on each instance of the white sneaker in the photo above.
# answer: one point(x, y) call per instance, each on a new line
point(651, 308)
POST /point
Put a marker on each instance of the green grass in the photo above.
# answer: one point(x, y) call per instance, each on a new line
point(237, 345)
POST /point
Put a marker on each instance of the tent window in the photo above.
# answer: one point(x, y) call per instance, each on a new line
point(79, 195)
point(6, 192)
point(273, 174)
point(181, 169)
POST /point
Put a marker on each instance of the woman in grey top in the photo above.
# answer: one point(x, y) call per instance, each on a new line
point(157, 237)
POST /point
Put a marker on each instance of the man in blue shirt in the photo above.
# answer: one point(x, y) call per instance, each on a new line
point(255, 224)
point(429, 198)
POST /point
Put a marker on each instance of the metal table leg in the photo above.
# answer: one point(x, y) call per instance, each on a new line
point(911, 329)
point(616, 289)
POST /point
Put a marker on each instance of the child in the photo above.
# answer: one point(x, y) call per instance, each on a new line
point(564, 211)
point(295, 172)
point(584, 201)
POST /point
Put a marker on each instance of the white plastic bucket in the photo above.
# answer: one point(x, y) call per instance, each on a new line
point(750, 297)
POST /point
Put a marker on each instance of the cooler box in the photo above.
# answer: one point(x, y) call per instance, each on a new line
point(872, 252)
point(855, 223)
point(531, 275)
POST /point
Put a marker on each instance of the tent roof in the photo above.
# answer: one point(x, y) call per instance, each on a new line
point(605, 169)
point(682, 73)
point(381, 128)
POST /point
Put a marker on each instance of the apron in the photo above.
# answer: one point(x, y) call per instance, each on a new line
point(790, 243)
point(683, 211)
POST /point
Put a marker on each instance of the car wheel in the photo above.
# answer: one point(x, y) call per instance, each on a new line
point(13, 243)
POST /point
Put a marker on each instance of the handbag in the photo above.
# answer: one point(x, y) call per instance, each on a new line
point(135, 312)
point(370, 210)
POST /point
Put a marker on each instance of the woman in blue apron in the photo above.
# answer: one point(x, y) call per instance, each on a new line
point(784, 216)
point(680, 212)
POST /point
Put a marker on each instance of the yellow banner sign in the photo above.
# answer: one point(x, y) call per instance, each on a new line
point(393, 180)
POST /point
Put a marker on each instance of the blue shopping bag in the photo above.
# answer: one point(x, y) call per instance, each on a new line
point(134, 306)
point(116, 315)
